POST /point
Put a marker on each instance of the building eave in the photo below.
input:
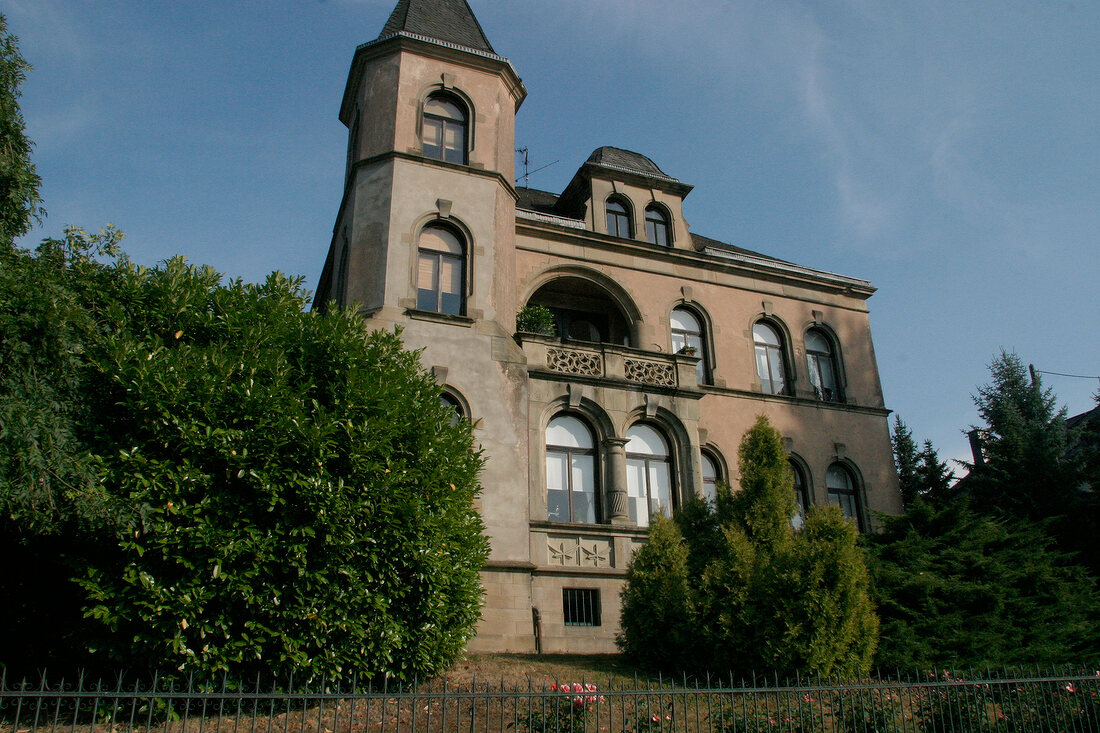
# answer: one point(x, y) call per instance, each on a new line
point(431, 48)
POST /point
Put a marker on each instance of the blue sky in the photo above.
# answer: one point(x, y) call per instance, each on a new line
point(948, 152)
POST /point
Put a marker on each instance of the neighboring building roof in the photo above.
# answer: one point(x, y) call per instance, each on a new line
point(1084, 419)
point(450, 21)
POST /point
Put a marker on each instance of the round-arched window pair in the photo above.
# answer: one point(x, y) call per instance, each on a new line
point(572, 486)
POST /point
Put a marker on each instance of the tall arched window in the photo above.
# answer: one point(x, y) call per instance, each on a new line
point(687, 333)
point(441, 260)
point(801, 496)
point(445, 129)
point(843, 493)
point(648, 474)
point(821, 364)
point(570, 471)
point(711, 476)
point(770, 364)
point(656, 226)
point(618, 218)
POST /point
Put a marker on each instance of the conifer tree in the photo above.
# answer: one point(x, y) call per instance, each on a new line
point(1028, 471)
point(959, 589)
point(783, 600)
point(906, 459)
point(932, 476)
point(656, 617)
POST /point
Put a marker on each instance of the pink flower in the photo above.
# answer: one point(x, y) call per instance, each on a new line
point(1070, 687)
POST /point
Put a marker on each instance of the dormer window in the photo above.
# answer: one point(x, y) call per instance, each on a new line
point(445, 129)
point(656, 226)
point(618, 219)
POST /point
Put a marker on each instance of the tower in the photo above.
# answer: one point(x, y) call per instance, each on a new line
point(424, 239)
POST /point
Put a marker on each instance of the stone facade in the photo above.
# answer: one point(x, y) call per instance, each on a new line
point(430, 110)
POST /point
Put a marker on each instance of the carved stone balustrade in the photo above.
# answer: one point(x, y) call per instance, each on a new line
point(549, 357)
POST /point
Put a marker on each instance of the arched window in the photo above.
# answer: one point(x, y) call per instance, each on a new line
point(656, 226)
point(570, 471)
point(821, 364)
point(440, 271)
point(451, 402)
point(687, 334)
point(648, 474)
point(801, 496)
point(843, 493)
point(711, 476)
point(770, 366)
point(445, 128)
point(618, 219)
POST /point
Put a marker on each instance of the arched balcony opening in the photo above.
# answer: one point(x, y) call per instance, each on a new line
point(583, 311)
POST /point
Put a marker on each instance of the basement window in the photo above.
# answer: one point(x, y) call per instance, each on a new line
point(581, 606)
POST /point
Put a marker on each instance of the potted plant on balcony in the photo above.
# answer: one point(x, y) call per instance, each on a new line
point(687, 351)
point(536, 319)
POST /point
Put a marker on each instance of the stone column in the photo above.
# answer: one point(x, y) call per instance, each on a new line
point(615, 449)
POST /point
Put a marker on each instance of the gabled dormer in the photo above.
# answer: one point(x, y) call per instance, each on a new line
point(624, 194)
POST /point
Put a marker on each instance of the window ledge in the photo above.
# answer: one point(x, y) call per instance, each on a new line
point(434, 317)
point(626, 530)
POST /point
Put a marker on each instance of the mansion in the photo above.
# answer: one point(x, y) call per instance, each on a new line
point(642, 353)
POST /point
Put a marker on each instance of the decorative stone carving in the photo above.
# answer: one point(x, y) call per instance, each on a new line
point(650, 372)
point(577, 552)
point(594, 556)
point(563, 553)
point(569, 361)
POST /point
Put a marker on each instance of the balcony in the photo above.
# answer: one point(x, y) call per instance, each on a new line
point(622, 366)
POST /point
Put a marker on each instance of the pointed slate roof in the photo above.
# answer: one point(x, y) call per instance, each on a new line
point(450, 21)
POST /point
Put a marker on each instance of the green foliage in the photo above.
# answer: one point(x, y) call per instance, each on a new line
point(1033, 468)
point(905, 461)
point(757, 594)
point(280, 491)
point(46, 333)
point(655, 620)
point(958, 589)
point(536, 319)
point(1028, 470)
point(19, 199)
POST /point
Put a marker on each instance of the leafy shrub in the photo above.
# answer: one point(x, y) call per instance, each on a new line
point(536, 319)
point(284, 490)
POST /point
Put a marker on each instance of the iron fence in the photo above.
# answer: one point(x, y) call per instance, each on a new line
point(1059, 701)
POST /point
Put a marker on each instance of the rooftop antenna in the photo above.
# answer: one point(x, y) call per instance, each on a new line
point(527, 173)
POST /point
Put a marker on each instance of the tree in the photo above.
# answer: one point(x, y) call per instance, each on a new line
point(906, 459)
point(1027, 470)
point(932, 476)
point(760, 595)
point(958, 589)
point(19, 182)
point(656, 615)
point(1033, 468)
point(279, 490)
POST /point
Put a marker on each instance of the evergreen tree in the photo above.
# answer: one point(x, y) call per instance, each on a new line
point(958, 589)
point(1028, 471)
point(905, 462)
point(932, 476)
point(656, 617)
point(1034, 466)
